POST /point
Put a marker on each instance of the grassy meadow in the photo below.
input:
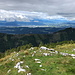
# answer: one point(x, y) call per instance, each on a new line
point(36, 62)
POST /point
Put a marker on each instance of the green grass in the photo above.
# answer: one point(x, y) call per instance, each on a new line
point(67, 48)
point(51, 65)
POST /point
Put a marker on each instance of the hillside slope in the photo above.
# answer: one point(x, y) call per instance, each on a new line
point(40, 60)
point(8, 41)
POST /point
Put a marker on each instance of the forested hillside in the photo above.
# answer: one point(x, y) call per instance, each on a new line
point(8, 41)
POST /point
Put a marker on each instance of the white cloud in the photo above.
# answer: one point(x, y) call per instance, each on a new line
point(27, 16)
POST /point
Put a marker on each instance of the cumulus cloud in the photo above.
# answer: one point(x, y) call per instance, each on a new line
point(26, 16)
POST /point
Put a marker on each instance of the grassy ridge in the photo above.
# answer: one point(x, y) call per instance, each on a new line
point(53, 64)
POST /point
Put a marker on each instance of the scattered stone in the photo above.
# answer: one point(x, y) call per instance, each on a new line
point(64, 54)
point(73, 55)
point(50, 49)
point(26, 66)
point(34, 51)
point(56, 52)
point(43, 69)
point(14, 52)
point(32, 55)
point(36, 59)
point(66, 51)
point(24, 56)
point(52, 52)
point(40, 51)
point(40, 65)
point(12, 59)
point(23, 70)
point(46, 54)
point(28, 73)
point(31, 48)
point(19, 58)
point(38, 62)
point(44, 48)
point(18, 65)
point(9, 70)
point(73, 49)
point(17, 54)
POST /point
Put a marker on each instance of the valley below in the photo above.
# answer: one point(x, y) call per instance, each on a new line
point(29, 30)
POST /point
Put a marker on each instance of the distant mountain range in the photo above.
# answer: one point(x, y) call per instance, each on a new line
point(33, 19)
point(29, 30)
point(8, 41)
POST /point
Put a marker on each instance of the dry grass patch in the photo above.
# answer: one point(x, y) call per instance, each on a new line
point(26, 52)
point(5, 58)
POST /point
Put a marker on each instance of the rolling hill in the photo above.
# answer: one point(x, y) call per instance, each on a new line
point(8, 41)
